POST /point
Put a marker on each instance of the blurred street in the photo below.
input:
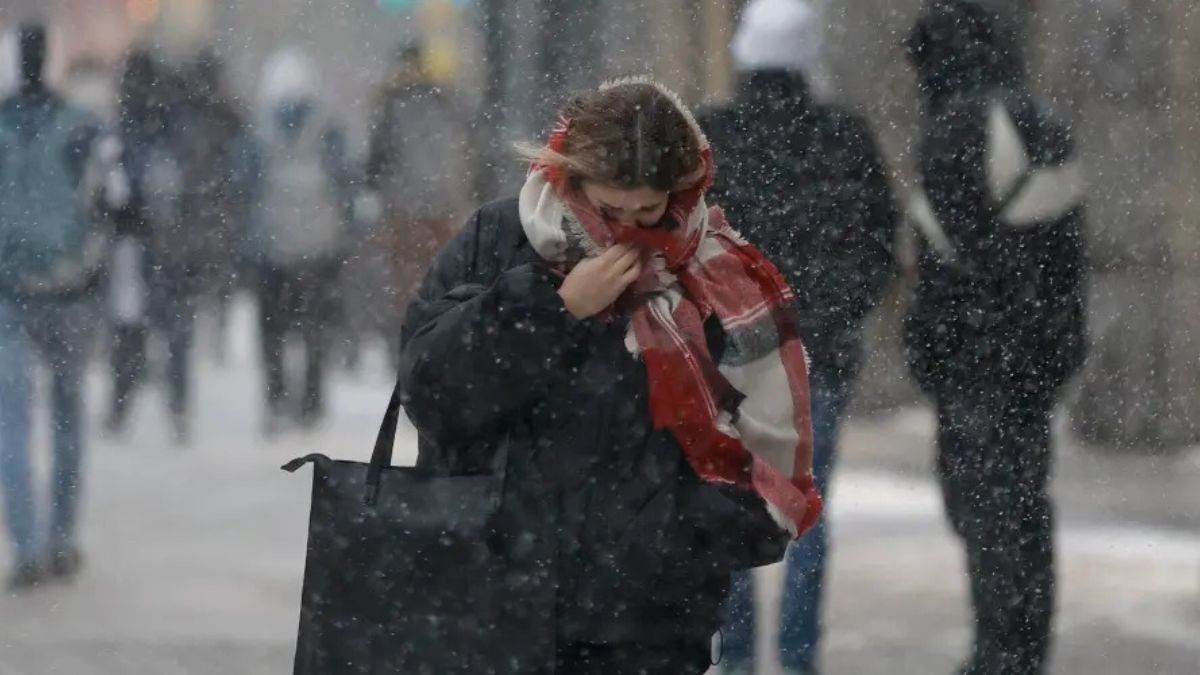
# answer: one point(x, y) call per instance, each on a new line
point(194, 555)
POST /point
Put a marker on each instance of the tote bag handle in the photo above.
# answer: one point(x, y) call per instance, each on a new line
point(381, 456)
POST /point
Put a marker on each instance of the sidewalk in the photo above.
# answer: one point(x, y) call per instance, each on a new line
point(195, 556)
point(1091, 484)
point(1129, 556)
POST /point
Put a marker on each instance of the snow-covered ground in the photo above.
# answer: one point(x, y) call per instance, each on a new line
point(194, 555)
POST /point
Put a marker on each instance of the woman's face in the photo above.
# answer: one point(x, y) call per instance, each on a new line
point(640, 206)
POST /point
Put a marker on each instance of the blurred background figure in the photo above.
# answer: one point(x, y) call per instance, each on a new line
point(154, 141)
point(416, 169)
point(300, 233)
point(89, 84)
point(52, 252)
point(127, 297)
point(210, 208)
point(996, 326)
point(809, 187)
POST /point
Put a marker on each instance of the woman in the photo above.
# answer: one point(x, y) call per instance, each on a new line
point(637, 364)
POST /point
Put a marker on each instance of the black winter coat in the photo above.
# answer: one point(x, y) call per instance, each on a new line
point(1008, 312)
point(631, 545)
point(804, 182)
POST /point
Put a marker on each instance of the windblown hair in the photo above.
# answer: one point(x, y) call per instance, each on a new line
point(630, 133)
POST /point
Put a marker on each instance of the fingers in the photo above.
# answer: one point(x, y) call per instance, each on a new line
point(631, 275)
point(614, 253)
point(629, 259)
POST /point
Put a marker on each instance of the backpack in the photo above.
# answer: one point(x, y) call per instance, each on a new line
point(1033, 176)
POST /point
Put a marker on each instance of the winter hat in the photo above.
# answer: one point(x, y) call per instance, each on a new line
point(288, 77)
point(777, 35)
point(957, 44)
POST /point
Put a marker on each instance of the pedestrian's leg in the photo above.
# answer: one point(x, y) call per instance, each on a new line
point(800, 616)
point(737, 637)
point(128, 360)
point(67, 356)
point(222, 297)
point(15, 475)
point(1030, 429)
point(273, 318)
point(317, 312)
point(314, 377)
point(964, 427)
point(180, 332)
point(991, 488)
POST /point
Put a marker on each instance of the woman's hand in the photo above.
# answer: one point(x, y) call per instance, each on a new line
point(596, 283)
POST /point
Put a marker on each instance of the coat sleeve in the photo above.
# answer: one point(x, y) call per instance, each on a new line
point(481, 343)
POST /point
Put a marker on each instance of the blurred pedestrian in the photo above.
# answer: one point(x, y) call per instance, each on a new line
point(630, 361)
point(300, 229)
point(130, 268)
point(155, 158)
point(51, 254)
point(212, 127)
point(811, 189)
point(88, 83)
point(997, 323)
point(129, 274)
point(416, 166)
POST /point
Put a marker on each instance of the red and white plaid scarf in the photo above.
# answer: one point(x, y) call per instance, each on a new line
point(745, 419)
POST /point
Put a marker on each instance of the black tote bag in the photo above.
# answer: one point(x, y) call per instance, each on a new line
point(408, 571)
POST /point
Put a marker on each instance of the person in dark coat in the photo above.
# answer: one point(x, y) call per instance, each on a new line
point(997, 323)
point(154, 155)
point(210, 209)
point(638, 363)
point(828, 221)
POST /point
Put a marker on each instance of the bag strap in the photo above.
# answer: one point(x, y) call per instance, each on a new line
point(381, 456)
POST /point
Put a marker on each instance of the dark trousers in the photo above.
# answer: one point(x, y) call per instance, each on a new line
point(128, 361)
point(297, 300)
point(173, 317)
point(179, 335)
point(677, 658)
point(994, 464)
